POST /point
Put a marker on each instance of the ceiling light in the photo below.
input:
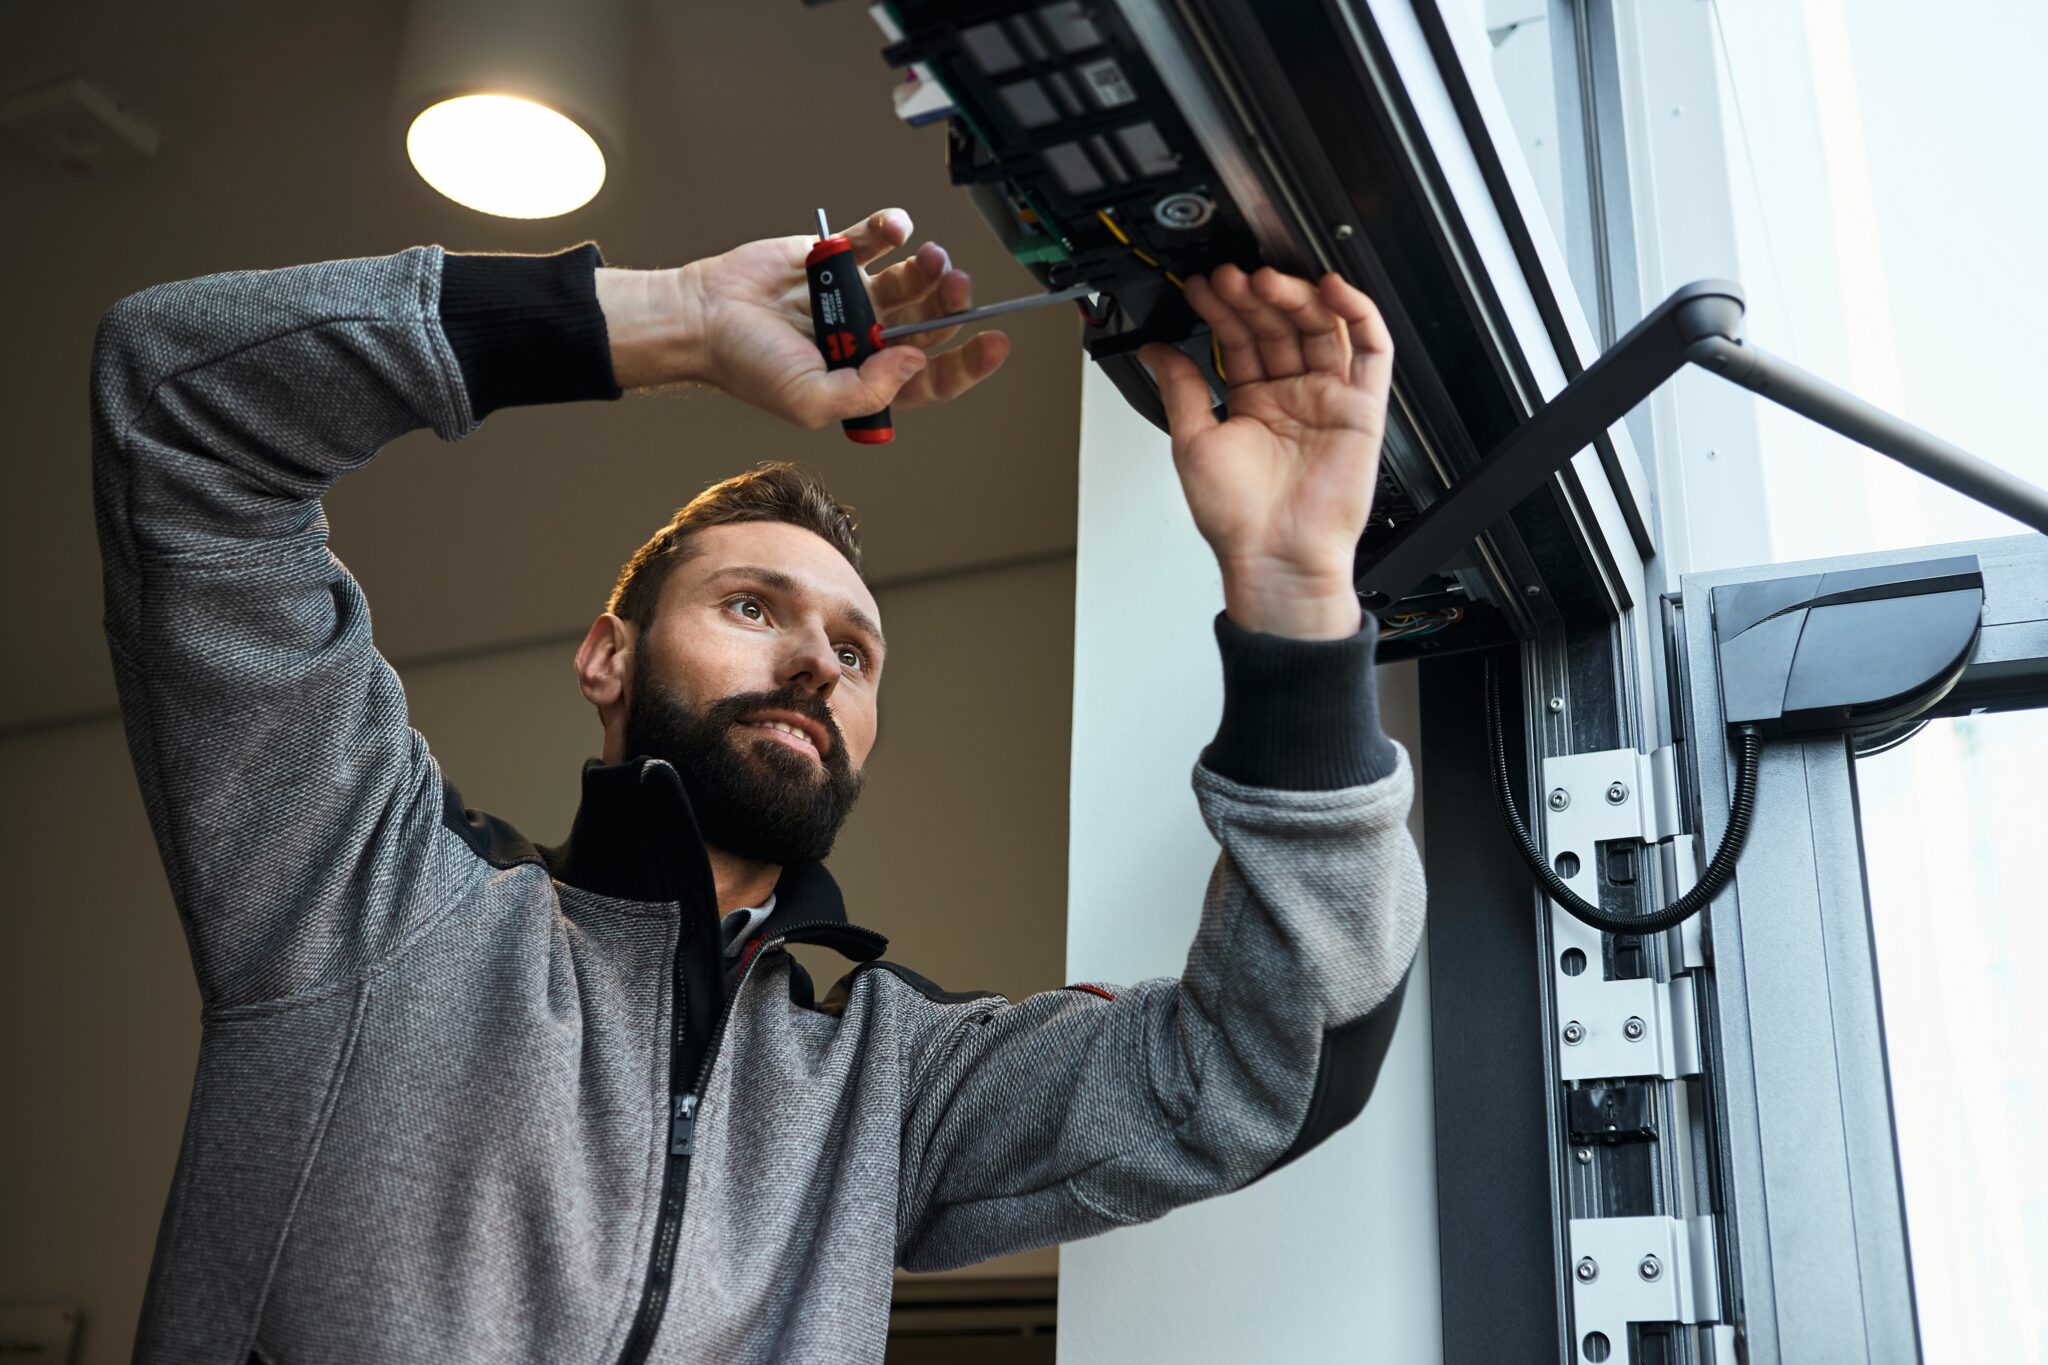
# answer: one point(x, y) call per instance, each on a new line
point(515, 107)
point(505, 155)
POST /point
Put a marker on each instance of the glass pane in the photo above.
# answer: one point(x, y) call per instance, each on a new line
point(1886, 240)
point(1532, 59)
point(1519, 37)
point(1953, 846)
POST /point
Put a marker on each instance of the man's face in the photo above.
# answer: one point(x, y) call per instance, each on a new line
point(757, 681)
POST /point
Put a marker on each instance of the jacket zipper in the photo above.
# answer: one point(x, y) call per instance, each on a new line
point(682, 1145)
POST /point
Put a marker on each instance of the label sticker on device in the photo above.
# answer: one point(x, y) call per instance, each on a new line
point(1106, 81)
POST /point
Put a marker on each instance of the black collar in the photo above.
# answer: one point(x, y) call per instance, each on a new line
point(636, 838)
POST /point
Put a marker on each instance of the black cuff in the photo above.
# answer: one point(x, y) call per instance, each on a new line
point(1299, 715)
point(527, 329)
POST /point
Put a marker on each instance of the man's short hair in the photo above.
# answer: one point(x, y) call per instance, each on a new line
point(775, 491)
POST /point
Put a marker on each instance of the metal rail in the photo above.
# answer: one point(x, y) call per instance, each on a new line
point(1700, 324)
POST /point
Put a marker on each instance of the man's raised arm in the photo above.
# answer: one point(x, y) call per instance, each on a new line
point(1085, 1109)
point(294, 807)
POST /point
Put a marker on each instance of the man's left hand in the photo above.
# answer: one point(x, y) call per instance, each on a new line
point(1282, 489)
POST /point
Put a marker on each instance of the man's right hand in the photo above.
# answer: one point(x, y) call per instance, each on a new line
point(741, 322)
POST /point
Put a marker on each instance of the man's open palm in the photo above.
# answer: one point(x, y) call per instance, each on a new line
point(1281, 489)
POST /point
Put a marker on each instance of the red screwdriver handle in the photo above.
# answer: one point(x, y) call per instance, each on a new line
point(844, 321)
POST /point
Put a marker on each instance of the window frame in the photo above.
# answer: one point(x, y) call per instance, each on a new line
point(1815, 1224)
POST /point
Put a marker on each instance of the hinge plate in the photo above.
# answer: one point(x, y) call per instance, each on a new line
point(1620, 793)
point(1648, 1269)
point(1629, 1027)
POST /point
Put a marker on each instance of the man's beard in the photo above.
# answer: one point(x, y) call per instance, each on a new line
point(756, 798)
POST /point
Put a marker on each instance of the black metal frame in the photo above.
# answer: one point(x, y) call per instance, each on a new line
point(1814, 1226)
point(1498, 1164)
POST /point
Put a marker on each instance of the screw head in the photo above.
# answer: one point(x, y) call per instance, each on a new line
point(1342, 232)
point(1574, 1033)
point(1556, 705)
point(1650, 1268)
point(1533, 590)
point(1617, 794)
point(1588, 1270)
point(1633, 1029)
point(1560, 798)
point(1585, 1156)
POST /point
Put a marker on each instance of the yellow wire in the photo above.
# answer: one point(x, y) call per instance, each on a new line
point(1147, 257)
point(1215, 348)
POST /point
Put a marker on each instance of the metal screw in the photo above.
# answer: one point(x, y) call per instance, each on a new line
point(1585, 1155)
point(1574, 1033)
point(1651, 1268)
point(1560, 798)
point(1588, 1270)
point(1533, 590)
point(1633, 1029)
point(1556, 704)
point(1617, 794)
point(1342, 232)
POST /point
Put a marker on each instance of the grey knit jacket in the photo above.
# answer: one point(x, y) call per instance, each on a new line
point(463, 1098)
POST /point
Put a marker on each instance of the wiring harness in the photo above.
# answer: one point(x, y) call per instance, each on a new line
point(1711, 881)
point(1410, 625)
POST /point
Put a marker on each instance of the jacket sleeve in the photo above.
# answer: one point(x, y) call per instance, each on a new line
point(1088, 1108)
point(293, 805)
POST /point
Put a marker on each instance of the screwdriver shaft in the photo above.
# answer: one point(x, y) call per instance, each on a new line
point(990, 310)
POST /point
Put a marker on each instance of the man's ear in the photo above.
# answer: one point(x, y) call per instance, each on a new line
point(604, 662)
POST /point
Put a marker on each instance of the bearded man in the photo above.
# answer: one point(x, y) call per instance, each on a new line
point(465, 1098)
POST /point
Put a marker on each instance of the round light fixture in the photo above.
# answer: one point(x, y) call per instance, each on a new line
point(515, 107)
point(505, 155)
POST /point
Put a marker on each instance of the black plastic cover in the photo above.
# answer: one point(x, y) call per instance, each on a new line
point(1847, 651)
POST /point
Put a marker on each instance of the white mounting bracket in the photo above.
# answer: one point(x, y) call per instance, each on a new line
point(1608, 1029)
point(1649, 1269)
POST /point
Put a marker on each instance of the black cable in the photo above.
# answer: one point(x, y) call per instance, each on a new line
point(1711, 881)
point(1094, 317)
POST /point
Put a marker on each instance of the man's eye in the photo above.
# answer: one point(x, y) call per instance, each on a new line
point(749, 608)
point(851, 657)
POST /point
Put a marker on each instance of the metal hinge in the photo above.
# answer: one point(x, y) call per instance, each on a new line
point(1638, 791)
point(1661, 816)
point(1648, 1269)
point(1633, 1026)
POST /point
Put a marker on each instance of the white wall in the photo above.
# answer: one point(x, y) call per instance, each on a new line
point(1334, 1257)
point(955, 852)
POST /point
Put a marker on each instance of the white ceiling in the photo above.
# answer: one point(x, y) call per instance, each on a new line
point(279, 146)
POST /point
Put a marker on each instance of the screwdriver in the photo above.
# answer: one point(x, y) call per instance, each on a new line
point(843, 319)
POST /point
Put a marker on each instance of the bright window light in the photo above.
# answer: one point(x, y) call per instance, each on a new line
point(507, 156)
